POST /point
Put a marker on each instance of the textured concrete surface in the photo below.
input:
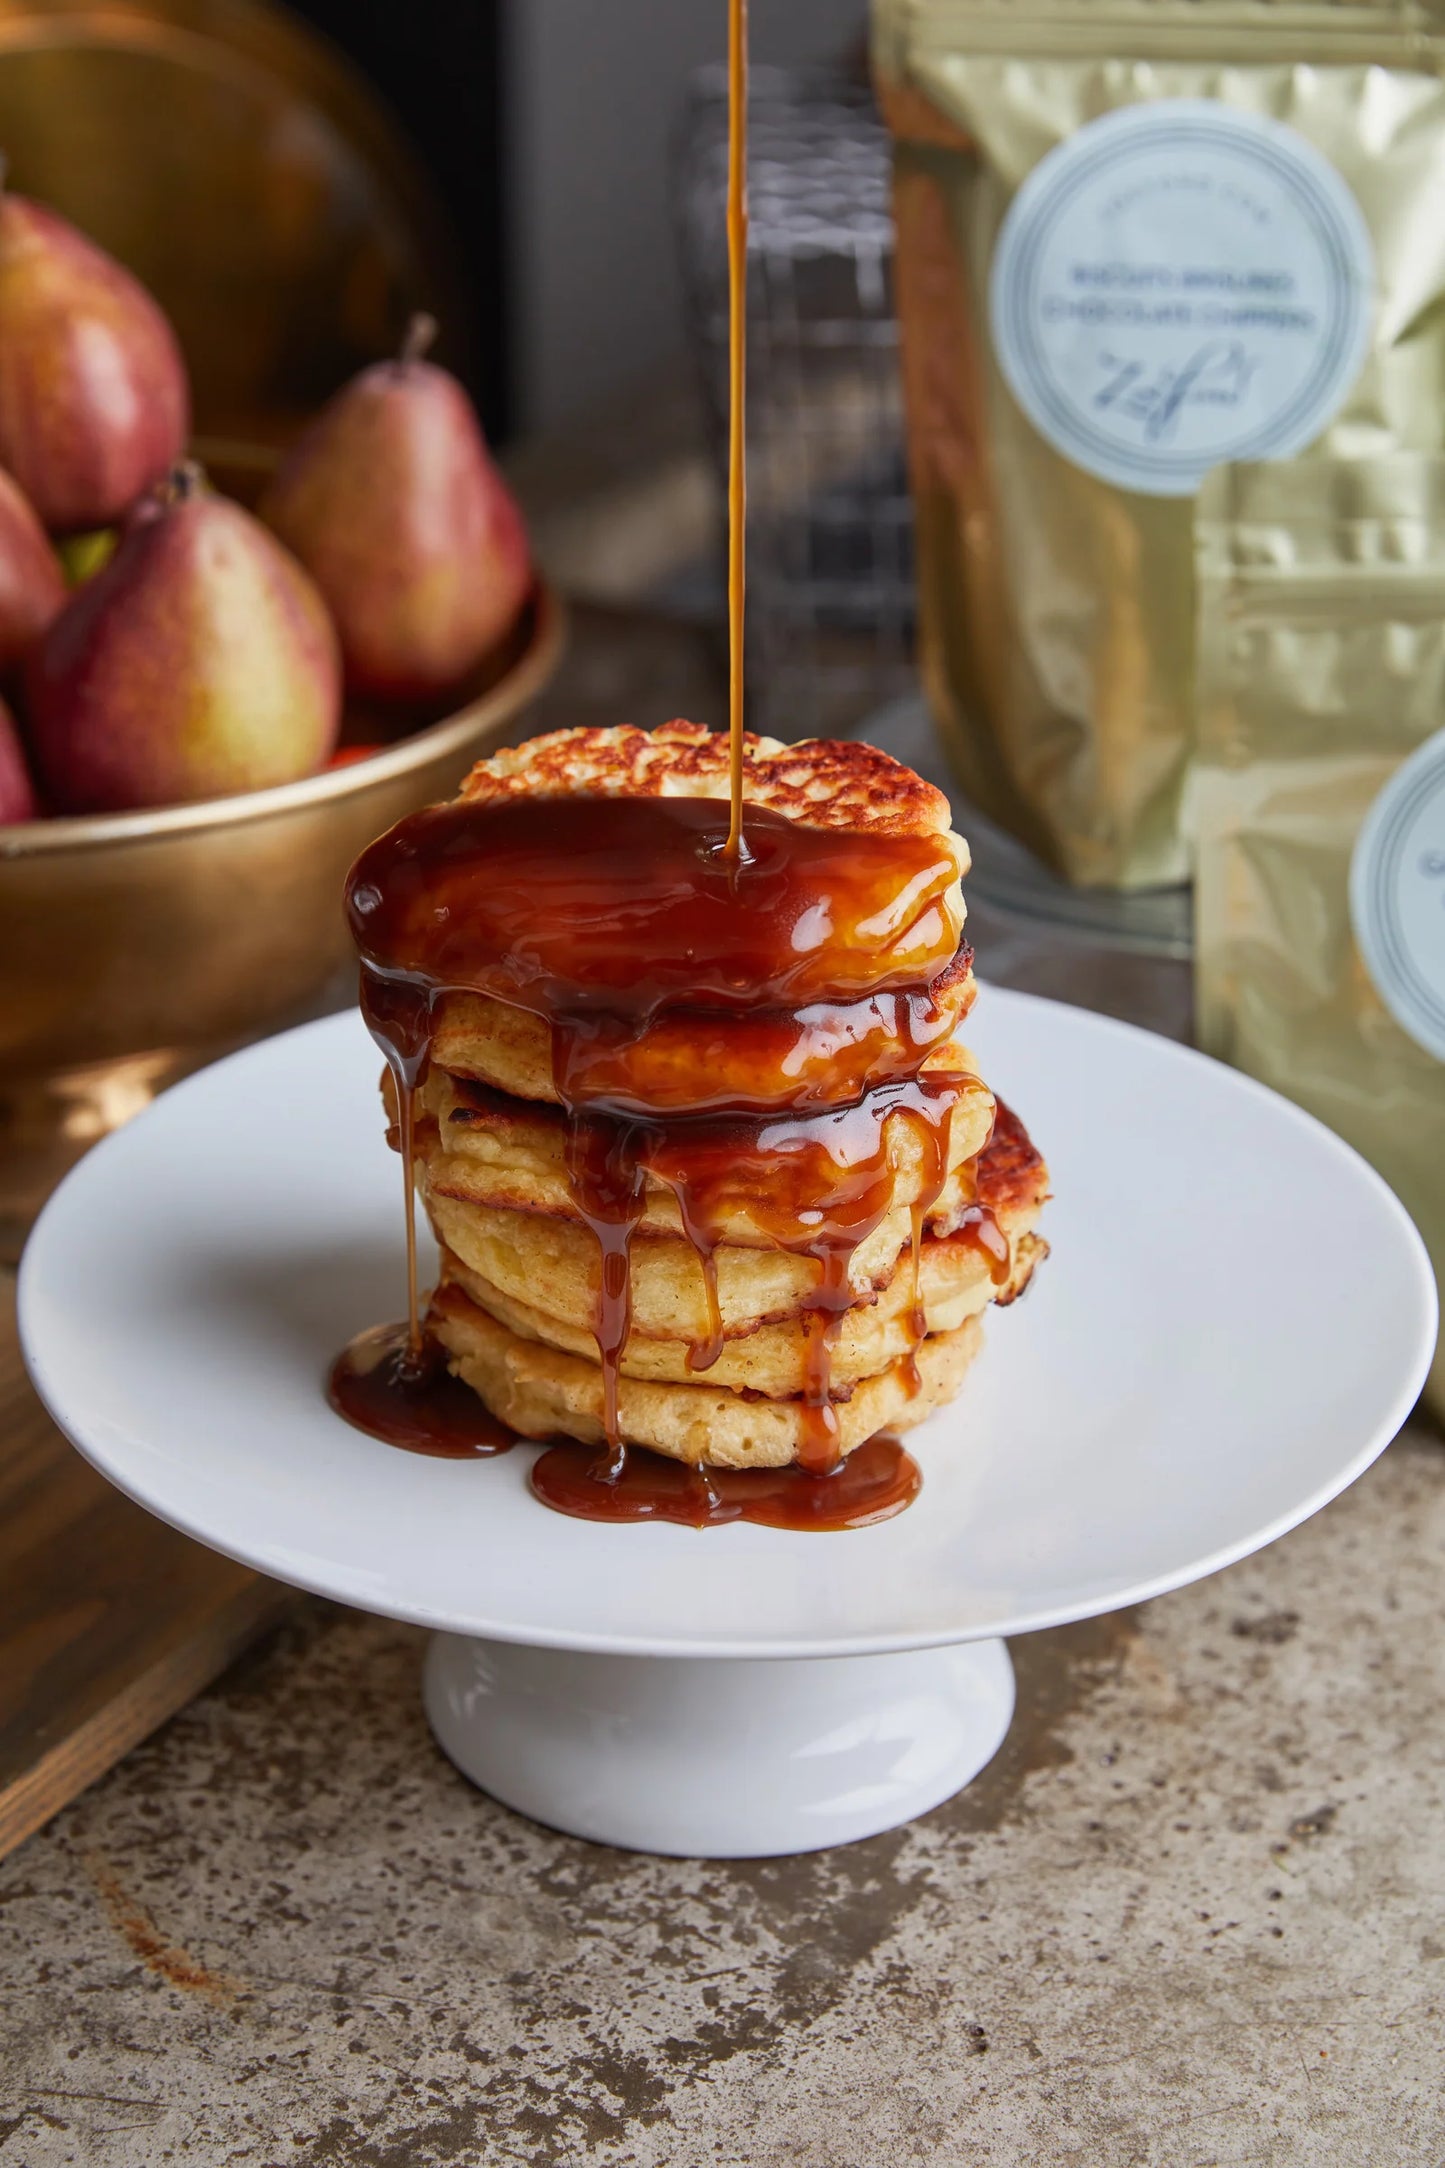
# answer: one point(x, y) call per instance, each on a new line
point(1193, 1916)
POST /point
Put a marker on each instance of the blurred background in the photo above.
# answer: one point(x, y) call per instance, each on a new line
point(547, 180)
point(592, 102)
point(518, 150)
point(292, 185)
point(545, 176)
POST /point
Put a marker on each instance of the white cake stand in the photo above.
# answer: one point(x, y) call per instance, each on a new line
point(1237, 1317)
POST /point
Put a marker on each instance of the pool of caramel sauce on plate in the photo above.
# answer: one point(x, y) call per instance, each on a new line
point(401, 1390)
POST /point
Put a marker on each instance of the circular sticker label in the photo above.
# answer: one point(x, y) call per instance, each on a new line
point(1179, 285)
point(1397, 895)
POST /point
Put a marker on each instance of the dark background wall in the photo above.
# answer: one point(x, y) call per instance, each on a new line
point(547, 126)
point(440, 65)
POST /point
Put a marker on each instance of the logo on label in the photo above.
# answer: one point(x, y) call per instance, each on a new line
point(1179, 285)
point(1397, 895)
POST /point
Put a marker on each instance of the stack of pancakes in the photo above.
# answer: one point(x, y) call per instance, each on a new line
point(766, 1316)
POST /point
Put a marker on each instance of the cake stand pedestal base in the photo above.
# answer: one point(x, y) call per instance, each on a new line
point(718, 1758)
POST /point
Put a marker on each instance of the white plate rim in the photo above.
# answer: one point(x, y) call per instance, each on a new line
point(1395, 1410)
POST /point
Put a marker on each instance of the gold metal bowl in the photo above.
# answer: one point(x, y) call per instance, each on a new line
point(136, 946)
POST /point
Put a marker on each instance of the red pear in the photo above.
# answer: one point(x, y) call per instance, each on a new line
point(392, 502)
point(199, 661)
point(17, 792)
point(93, 400)
point(32, 584)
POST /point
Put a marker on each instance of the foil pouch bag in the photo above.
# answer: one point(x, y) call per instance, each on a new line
point(1138, 240)
point(1318, 805)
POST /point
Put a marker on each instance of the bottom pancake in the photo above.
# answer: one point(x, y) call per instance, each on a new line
point(543, 1393)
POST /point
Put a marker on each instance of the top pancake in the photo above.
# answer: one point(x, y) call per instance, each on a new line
point(810, 979)
point(819, 782)
point(688, 1060)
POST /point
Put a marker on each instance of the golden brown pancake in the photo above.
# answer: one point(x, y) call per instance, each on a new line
point(826, 1126)
point(684, 1059)
point(542, 1394)
point(954, 1283)
point(484, 1147)
point(818, 782)
point(548, 1262)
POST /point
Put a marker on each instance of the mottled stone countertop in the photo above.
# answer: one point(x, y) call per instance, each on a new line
point(1193, 1916)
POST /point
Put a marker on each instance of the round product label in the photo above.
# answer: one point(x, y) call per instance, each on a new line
point(1179, 285)
point(1397, 895)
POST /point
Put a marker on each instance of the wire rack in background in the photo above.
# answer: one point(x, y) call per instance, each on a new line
point(830, 526)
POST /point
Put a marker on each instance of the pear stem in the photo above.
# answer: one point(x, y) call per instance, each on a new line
point(186, 480)
point(420, 333)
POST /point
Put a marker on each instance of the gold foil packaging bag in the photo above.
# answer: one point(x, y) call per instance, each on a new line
point(1137, 242)
point(1318, 805)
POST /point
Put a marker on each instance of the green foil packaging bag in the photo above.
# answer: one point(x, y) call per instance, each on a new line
point(1138, 240)
point(1318, 806)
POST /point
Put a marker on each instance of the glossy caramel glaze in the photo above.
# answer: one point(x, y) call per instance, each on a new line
point(570, 906)
point(407, 1396)
point(690, 1061)
point(876, 1481)
point(815, 1183)
point(600, 914)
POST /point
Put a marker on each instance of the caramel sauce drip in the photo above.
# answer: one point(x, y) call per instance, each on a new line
point(819, 1450)
point(609, 1188)
point(814, 1182)
point(1004, 1173)
point(981, 1230)
point(917, 1317)
point(762, 1061)
point(737, 222)
point(402, 1029)
point(407, 1396)
point(817, 1184)
point(705, 1349)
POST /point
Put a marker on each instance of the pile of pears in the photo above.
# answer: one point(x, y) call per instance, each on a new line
point(159, 644)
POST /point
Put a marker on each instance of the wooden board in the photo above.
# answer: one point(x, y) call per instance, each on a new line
point(109, 1621)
